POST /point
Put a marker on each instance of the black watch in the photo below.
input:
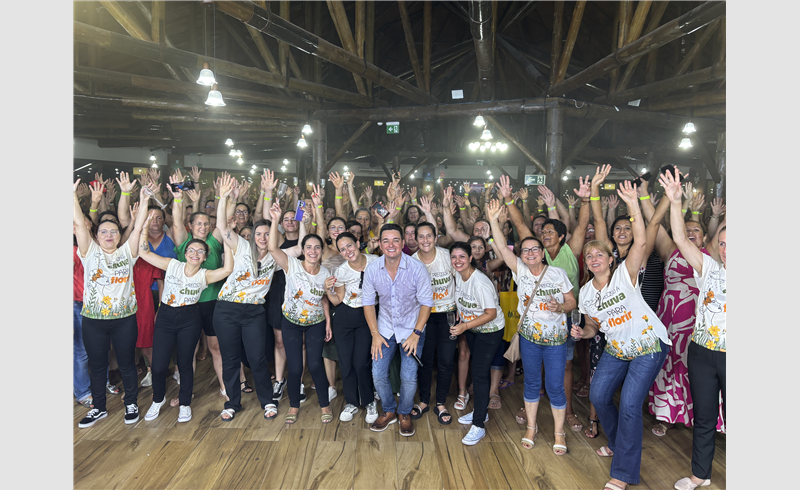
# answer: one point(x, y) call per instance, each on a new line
point(418, 332)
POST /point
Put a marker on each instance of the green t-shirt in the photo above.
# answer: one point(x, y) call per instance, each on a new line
point(213, 261)
point(567, 261)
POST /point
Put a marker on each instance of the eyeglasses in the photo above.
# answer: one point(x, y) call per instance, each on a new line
point(211, 206)
point(192, 251)
point(241, 211)
point(531, 250)
point(108, 232)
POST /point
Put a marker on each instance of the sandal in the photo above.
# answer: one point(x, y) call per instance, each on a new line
point(86, 402)
point(560, 447)
point(660, 429)
point(461, 403)
point(326, 418)
point(245, 387)
point(612, 486)
point(419, 410)
point(604, 452)
point(525, 440)
point(575, 426)
point(583, 392)
point(518, 372)
point(494, 402)
point(505, 384)
point(290, 418)
point(593, 429)
point(441, 413)
point(229, 412)
point(687, 484)
point(521, 419)
point(577, 385)
point(270, 408)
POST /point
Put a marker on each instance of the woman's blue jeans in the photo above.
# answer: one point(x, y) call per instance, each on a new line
point(623, 427)
point(555, 361)
point(81, 383)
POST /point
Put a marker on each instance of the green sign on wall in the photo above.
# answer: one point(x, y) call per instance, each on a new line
point(536, 179)
point(392, 128)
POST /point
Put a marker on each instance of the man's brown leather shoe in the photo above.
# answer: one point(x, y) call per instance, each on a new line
point(383, 422)
point(406, 425)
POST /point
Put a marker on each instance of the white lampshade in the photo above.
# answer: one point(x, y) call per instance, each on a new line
point(214, 97)
point(152, 158)
point(307, 129)
point(479, 121)
point(240, 161)
point(229, 142)
point(206, 76)
point(689, 128)
point(285, 161)
point(302, 142)
point(283, 169)
point(685, 143)
point(232, 153)
point(487, 135)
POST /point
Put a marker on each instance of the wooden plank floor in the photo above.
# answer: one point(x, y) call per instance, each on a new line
point(253, 453)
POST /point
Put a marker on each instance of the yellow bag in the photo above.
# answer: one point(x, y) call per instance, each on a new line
point(508, 303)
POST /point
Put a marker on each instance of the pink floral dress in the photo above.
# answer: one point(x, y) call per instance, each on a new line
point(670, 400)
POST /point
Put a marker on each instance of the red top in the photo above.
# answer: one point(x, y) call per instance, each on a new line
point(77, 276)
point(143, 276)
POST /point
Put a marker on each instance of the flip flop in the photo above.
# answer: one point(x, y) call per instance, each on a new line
point(575, 426)
point(442, 413)
point(505, 384)
point(419, 410)
point(583, 392)
point(604, 452)
point(612, 486)
point(495, 399)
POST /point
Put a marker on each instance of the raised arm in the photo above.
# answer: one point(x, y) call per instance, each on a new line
point(447, 217)
point(498, 242)
point(126, 187)
point(268, 184)
point(573, 222)
point(672, 191)
point(578, 237)
point(638, 249)
point(144, 245)
point(600, 226)
point(513, 212)
point(279, 255)
point(217, 275)
point(140, 219)
point(97, 197)
point(225, 189)
point(82, 234)
point(338, 184)
point(526, 209)
point(717, 210)
point(655, 232)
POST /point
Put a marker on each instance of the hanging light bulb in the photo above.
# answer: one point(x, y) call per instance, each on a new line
point(493, 148)
point(252, 171)
point(283, 169)
point(685, 143)
point(238, 153)
point(233, 153)
point(214, 97)
point(240, 161)
point(689, 128)
point(302, 142)
point(568, 171)
point(229, 142)
point(487, 135)
point(479, 121)
point(564, 178)
point(488, 172)
point(254, 167)
point(285, 161)
point(154, 165)
point(152, 157)
point(483, 148)
point(206, 76)
point(307, 129)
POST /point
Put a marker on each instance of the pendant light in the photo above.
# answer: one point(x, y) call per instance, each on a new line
point(285, 161)
point(479, 121)
point(229, 142)
point(307, 129)
point(214, 97)
point(487, 135)
point(206, 75)
point(240, 161)
point(152, 157)
point(302, 142)
point(232, 153)
point(689, 128)
point(685, 143)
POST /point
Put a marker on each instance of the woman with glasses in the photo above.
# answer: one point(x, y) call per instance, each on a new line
point(109, 307)
point(349, 325)
point(178, 323)
point(543, 330)
point(637, 344)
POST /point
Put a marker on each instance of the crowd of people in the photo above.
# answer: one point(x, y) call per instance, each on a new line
point(382, 287)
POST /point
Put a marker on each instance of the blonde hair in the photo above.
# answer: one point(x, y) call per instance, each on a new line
point(603, 247)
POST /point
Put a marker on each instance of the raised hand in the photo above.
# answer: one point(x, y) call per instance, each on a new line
point(672, 185)
point(195, 174)
point(600, 175)
point(467, 187)
point(227, 184)
point(134, 210)
point(688, 191)
point(178, 174)
point(627, 192)
point(391, 191)
point(125, 184)
point(244, 188)
point(613, 202)
point(82, 190)
point(503, 216)
point(315, 196)
point(717, 208)
point(98, 177)
point(336, 180)
point(452, 206)
point(447, 197)
point(112, 192)
point(275, 212)
point(654, 199)
point(413, 193)
point(368, 192)
point(296, 191)
point(493, 209)
point(268, 181)
point(571, 201)
point(175, 179)
point(523, 193)
point(76, 185)
point(154, 174)
point(436, 210)
point(97, 191)
point(504, 186)
point(425, 204)
point(473, 199)
point(459, 200)
point(193, 195)
point(583, 191)
point(547, 195)
point(698, 202)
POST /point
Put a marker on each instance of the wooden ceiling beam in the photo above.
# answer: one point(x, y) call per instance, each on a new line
point(530, 75)
point(572, 36)
point(480, 17)
point(710, 74)
point(688, 100)
point(339, 154)
point(342, 24)
point(408, 34)
point(427, 20)
point(701, 41)
point(514, 141)
point(148, 116)
point(636, 31)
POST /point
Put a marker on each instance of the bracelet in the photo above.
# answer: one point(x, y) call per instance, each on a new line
point(633, 215)
point(466, 194)
point(313, 224)
point(319, 207)
point(524, 200)
point(401, 207)
point(491, 240)
point(572, 207)
point(509, 203)
point(339, 197)
point(551, 209)
point(644, 198)
point(413, 200)
point(216, 197)
point(125, 193)
point(389, 221)
point(92, 210)
point(713, 216)
point(267, 198)
point(584, 201)
point(695, 212)
point(683, 211)
point(595, 198)
point(178, 200)
point(539, 210)
point(463, 208)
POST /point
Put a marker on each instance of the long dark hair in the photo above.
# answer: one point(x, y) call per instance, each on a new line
point(485, 256)
point(468, 250)
point(615, 249)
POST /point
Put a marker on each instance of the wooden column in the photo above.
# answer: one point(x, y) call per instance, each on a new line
point(320, 150)
point(555, 137)
point(719, 188)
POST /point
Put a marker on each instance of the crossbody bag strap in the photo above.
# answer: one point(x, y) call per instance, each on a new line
point(533, 293)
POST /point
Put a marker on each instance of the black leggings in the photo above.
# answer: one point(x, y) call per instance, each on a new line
point(437, 338)
point(354, 340)
point(482, 347)
point(706, 380)
point(175, 327)
point(235, 324)
point(98, 335)
point(293, 343)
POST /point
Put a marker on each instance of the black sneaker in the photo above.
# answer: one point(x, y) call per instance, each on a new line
point(277, 390)
point(131, 413)
point(93, 416)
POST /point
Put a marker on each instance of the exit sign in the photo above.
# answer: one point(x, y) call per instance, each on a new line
point(609, 187)
point(536, 179)
point(392, 128)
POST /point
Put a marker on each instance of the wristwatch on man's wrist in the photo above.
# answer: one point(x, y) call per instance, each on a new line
point(419, 333)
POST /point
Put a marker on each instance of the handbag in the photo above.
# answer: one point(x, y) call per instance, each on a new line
point(512, 353)
point(508, 304)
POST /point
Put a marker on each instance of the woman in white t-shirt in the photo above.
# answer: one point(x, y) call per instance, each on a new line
point(239, 316)
point(706, 352)
point(178, 323)
point(349, 326)
point(109, 306)
point(306, 318)
point(637, 344)
point(437, 339)
point(543, 331)
point(482, 321)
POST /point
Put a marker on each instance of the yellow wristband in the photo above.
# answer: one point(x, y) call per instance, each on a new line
point(683, 211)
point(216, 197)
point(413, 200)
point(389, 221)
point(126, 193)
point(178, 200)
point(313, 224)
point(466, 194)
point(551, 209)
point(643, 198)
point(92, 210)
point(319, 207)
point(539, 210)
point(695, 212)
point(463, 208)
point(524, 200)
point(509, 203)
point(595, 198)
point(267, 198)
point(491, 240)
point(572, 207)
point(339, 197)
point(401, 207)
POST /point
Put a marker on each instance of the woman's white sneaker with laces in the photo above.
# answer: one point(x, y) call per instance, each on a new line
point(372, 413)
point(154, 410)
point(347, 412)
point(474, 435)
point(185, 413)
point(467, 419)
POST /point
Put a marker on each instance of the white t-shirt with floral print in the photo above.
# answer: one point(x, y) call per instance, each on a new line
point(302, 298)
point(442, 283)
point(712, 306)
point(476, 295)
point(245, 285)
point(542, 326)
point(632, 329)
point(349, 278)
point(108, 292)
point(180, 290)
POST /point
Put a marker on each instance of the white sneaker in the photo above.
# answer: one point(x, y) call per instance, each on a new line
point(347, 412)
point(148, 379)
point(155, 408)
point(467, 419)
point(185, 414)
point(332, 393)
point(474, 435)
point(303, 396)
point(177, 377)
point(377, 396)
point(372, 413)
